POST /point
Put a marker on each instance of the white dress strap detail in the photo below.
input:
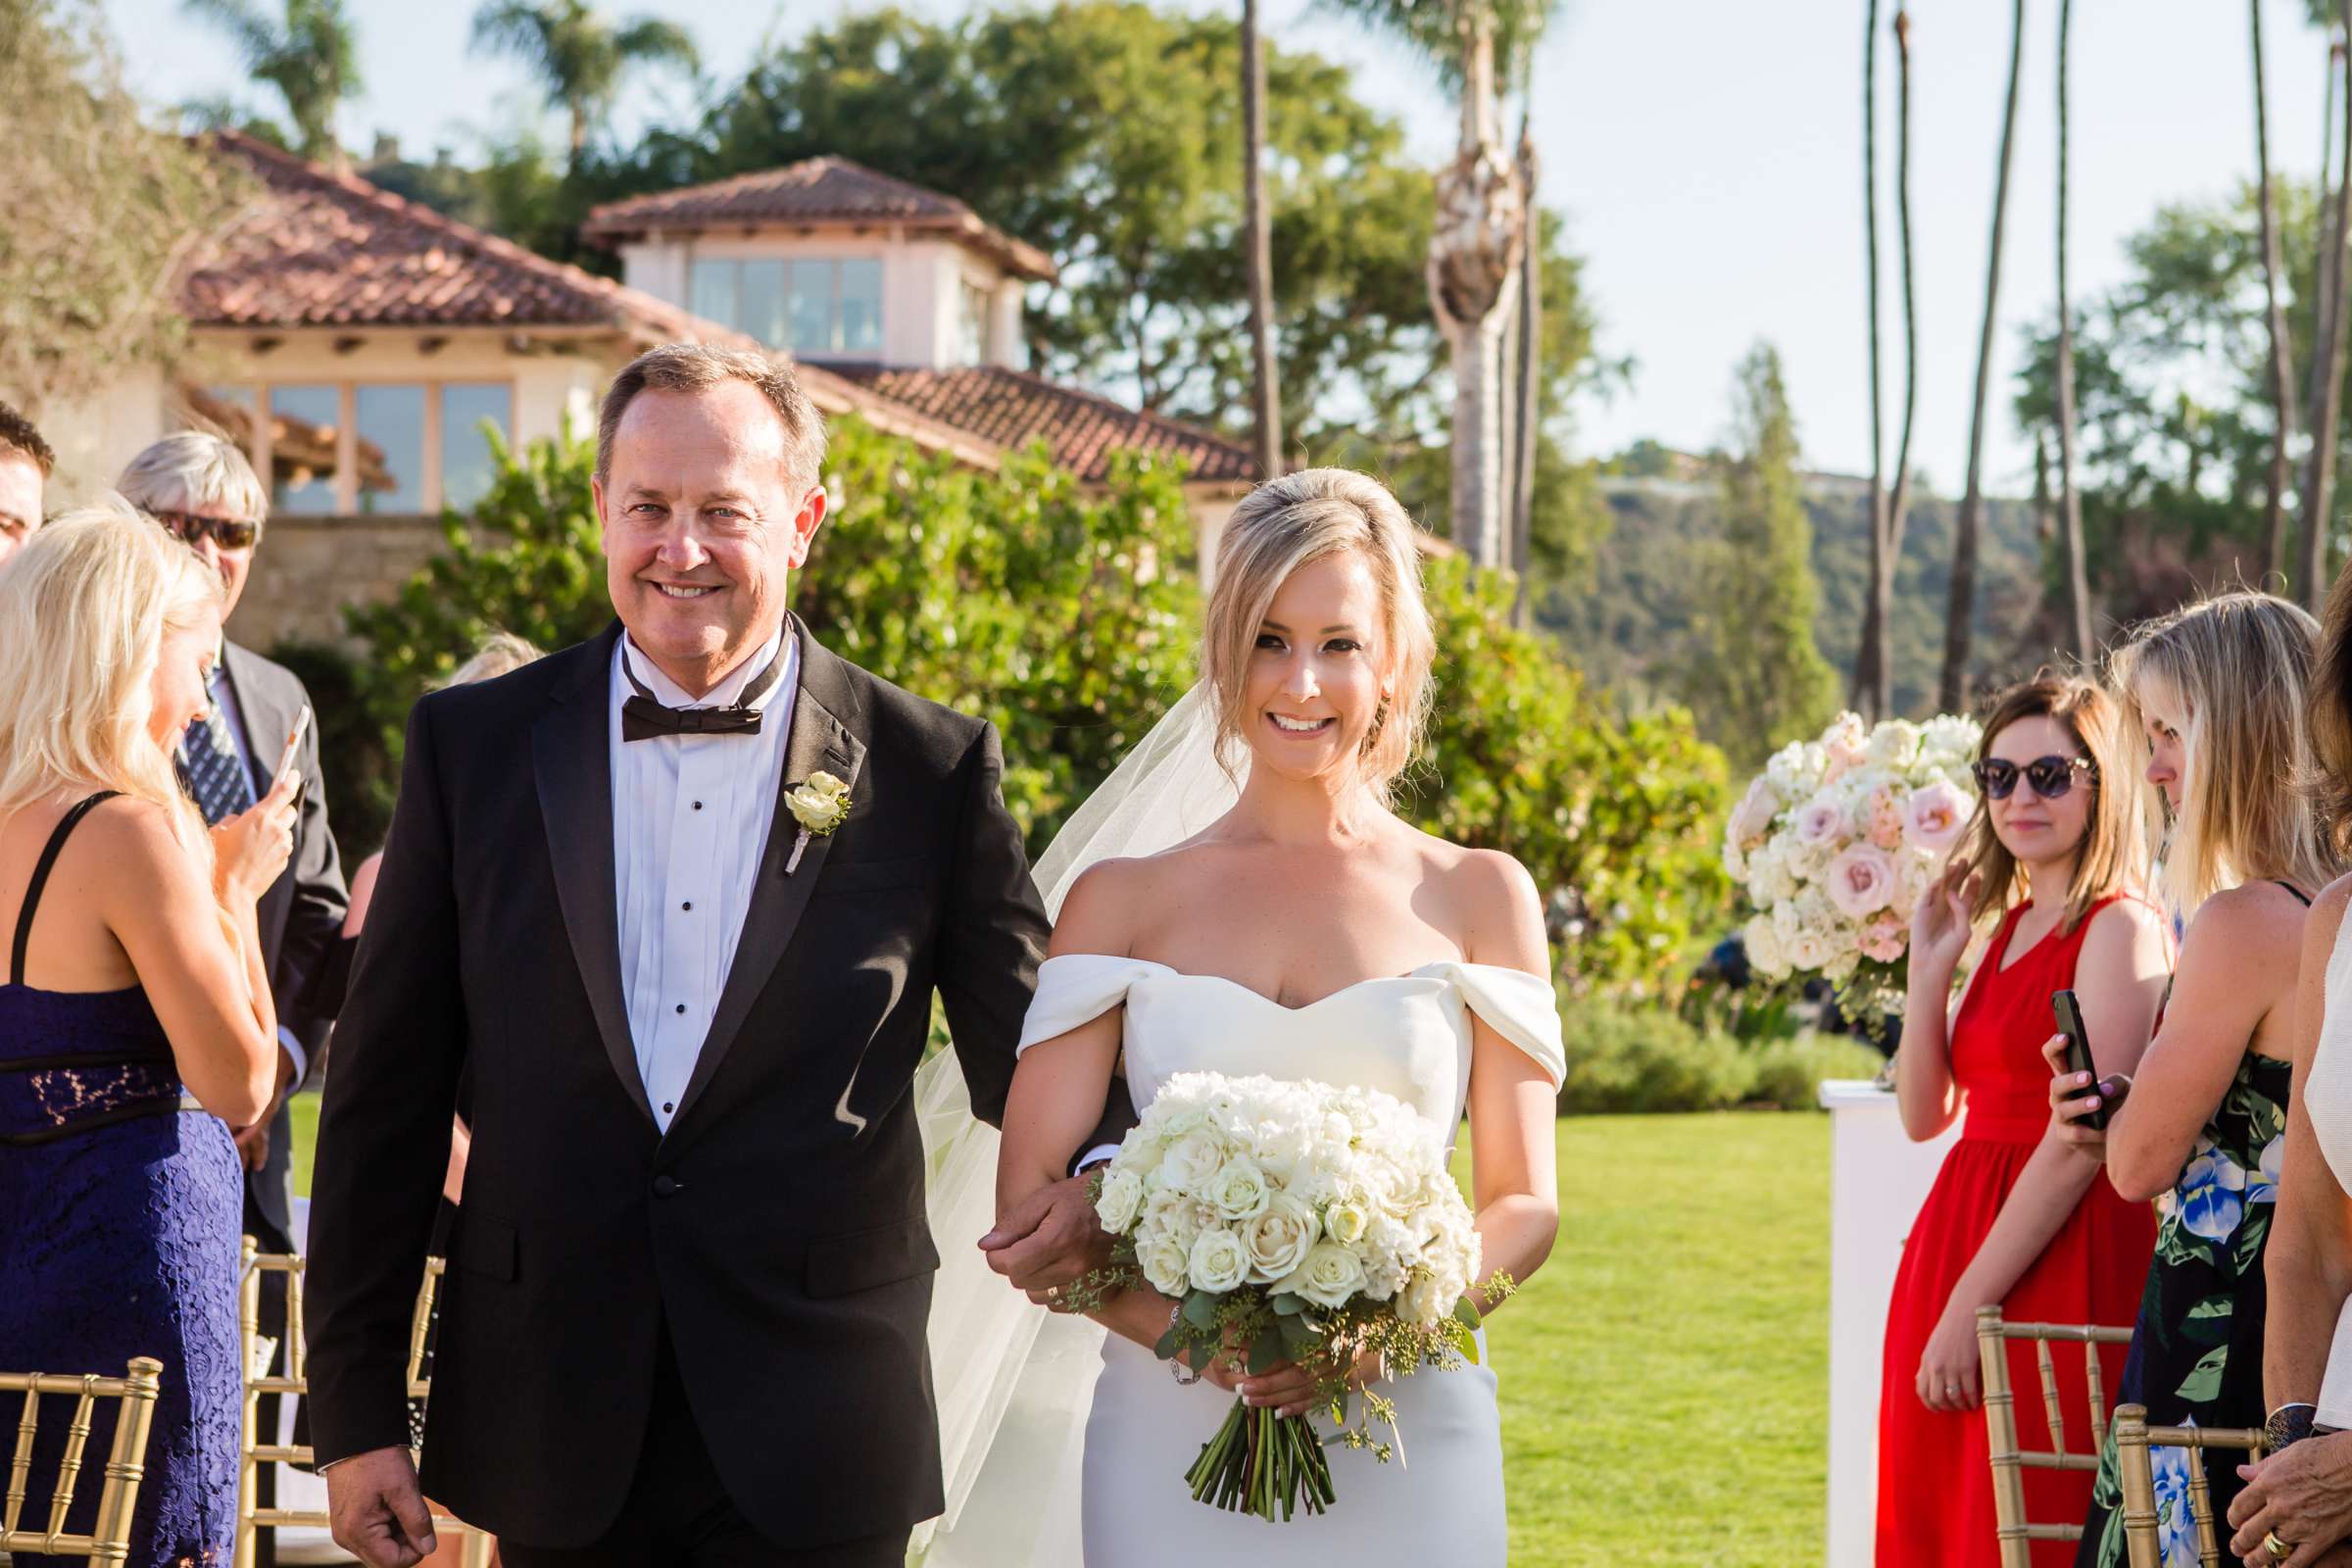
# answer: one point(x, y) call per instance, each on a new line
point(1077, 988)
point(1521, 1007)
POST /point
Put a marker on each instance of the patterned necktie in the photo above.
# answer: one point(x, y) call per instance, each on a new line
point(215, 772)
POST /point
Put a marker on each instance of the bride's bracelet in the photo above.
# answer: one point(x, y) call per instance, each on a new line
point(1176, 1366)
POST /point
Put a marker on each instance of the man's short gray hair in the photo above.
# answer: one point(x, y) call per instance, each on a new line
point(695, 367)
point(190, 470)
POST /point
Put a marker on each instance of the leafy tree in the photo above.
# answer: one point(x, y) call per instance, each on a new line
point(310, 53)
point(101, 207)
point(578, 55)
point(1069, 618)
point(1063, 615)
point(1761, 681)
point(1615, 816)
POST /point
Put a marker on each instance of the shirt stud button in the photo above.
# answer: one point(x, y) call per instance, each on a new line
point(681, 1006)
point(667, 1108)
point(688, 905)
point(698, 806)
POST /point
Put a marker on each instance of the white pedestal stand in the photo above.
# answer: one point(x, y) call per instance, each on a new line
point(1878, 1179)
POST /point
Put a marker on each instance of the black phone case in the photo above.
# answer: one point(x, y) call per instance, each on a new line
point(2068, 1018)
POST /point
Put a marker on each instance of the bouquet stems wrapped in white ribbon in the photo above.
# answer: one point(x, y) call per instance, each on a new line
point(1293, 1221)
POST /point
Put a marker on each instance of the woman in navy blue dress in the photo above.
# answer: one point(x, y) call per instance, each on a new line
point(135, 1020)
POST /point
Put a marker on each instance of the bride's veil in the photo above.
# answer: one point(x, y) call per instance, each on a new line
point(1014, 1381)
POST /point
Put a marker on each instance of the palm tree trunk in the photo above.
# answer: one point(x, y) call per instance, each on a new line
point(1899, 504)
point(1952, 690)
point(2283, 371)
point(2319, 493)
point(2324, 275)
point(1474, 258)
point(1528, 424)
point(579, 130)
point(1265, 391)
point(2070, 500)
point(1870, 687)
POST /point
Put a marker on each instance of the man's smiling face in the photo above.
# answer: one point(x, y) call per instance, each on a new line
point(703, 527)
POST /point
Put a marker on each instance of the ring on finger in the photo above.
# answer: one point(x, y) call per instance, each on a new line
point(2276, 1549)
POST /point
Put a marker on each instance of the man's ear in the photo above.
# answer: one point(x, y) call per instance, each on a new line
point(805, 525)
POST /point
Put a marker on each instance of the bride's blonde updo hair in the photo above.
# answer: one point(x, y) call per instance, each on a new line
point(1283, 525)
point(84, 609)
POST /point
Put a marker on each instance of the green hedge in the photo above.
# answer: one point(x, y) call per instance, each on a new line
point(1645, 1059)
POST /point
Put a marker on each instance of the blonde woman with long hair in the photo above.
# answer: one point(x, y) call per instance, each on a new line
point(1305, 931)
point(2213, 699)
point(135, 1021)
point(2300, 1498)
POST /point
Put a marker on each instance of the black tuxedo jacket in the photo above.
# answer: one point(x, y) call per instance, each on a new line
point(777, 1227)
point(301, 915)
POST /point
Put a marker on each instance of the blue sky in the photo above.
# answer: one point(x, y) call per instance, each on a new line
point(1706, 153)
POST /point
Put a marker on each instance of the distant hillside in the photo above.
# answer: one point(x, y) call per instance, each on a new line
point(1633, 619)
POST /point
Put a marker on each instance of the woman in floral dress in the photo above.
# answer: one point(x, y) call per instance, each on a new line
point(2216, 692)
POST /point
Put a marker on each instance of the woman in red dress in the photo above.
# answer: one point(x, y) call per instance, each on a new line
point(2016, 1217)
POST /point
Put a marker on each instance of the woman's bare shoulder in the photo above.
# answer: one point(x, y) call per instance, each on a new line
point(1496, 909)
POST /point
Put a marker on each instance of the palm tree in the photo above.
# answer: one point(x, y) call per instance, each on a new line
point(310, 54)
point(1480, 239)
point(2318, 485)
point(577, 56)
point(1952, 690)
point(1529, 392)
point(2070, 499)
point(2283, 369)
point(1265, 391)
point(1874, 669)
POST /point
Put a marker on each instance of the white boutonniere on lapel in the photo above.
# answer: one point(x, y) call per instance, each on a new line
point(820, 805)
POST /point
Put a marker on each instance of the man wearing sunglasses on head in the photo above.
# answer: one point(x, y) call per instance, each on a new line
point(203, 491)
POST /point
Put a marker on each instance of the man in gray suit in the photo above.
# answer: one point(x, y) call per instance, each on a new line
point(202, 489)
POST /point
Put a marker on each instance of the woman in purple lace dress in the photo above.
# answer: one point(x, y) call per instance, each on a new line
point(135, 1021)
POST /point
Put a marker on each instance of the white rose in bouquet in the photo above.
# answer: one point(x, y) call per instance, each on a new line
point(1935, 816)
point(1290, 1221)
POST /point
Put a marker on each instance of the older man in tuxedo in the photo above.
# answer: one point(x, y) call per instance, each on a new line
point(675, 901)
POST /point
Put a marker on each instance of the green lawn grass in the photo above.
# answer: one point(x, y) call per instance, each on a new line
point(1665, 1378)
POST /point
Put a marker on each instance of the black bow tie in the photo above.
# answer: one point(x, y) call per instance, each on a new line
point(642, 717)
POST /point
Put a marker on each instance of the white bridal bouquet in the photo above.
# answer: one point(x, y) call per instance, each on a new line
point(1839, 839)
point(1294, 1221)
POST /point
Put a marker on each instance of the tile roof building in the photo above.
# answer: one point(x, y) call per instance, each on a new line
point(364, 347)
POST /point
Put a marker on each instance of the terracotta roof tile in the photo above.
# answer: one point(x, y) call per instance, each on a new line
point(1012, 407)
point(813, 192)
point(316, 248)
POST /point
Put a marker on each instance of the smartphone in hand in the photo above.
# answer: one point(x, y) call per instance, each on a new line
point(2068, 1016)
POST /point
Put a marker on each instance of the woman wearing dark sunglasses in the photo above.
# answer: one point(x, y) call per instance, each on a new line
point(2017, 1218)
point(2214, 694)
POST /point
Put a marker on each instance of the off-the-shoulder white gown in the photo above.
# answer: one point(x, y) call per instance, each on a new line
point(1409, 1036)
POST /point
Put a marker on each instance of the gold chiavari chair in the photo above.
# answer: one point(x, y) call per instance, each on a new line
point(2009, 1462)
point(475, 1545)
point(2143, 1528)
point(109, 1540)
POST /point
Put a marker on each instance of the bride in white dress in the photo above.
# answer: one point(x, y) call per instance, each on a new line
point(1306, 932)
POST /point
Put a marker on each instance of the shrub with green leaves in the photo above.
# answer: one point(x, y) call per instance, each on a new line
point(1615, 815)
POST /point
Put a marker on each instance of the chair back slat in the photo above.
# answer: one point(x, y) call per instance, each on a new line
point(2098, 1399)
point(2049, 1369)
point(20, 1466)
point(2009, 1458)
point(295, 1381)
point(2134, 1443)
point(69, 1464)
point(109, 1540)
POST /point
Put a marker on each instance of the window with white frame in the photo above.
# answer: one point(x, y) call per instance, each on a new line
point(366, 448)
point(971, 322)
point(821, 305)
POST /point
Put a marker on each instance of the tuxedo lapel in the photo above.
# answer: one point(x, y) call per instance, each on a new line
point(572, 762)
point(820, 738)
